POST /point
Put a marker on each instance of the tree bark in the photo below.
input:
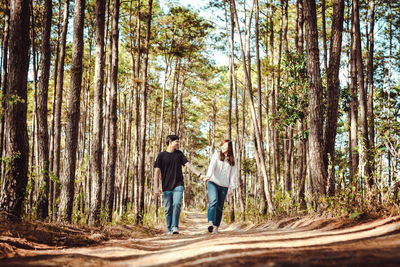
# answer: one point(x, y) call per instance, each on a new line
point(3, 88)
point(317, 168)
point(253, 113)
point(96, 159)
point(60, 86)
point(258, 63)
point(324, 36)
point(43, 136)
point(333, 86)
point(53, 183)
point(370, 73)
point(13, 189)
point(363, 93)
point(72, 127)
point(142, 161)
point(113, 111)
point(354, 156)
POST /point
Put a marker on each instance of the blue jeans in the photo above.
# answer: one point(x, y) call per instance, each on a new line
point(173, 203)
point(216, 197)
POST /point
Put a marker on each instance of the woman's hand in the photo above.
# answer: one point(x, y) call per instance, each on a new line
point(205, 178)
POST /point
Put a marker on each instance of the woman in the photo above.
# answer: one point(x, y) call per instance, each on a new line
point(221, 175)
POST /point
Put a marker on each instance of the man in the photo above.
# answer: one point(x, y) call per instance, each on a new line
point(169, 163)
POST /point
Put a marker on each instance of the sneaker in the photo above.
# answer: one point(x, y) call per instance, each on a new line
point(175, 230)
point(210, 227)
point(169, 233)
point(215, 230)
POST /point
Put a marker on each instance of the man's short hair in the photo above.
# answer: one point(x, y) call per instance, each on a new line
point(171, 138)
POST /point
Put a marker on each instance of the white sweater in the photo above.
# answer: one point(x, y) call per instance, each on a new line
point(221, 173)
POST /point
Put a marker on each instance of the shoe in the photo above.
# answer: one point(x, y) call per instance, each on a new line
point(215, 230)
point(169, 233)
point(210, 227)
point(175, 230)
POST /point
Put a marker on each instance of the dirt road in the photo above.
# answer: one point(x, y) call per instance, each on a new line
point(294, 242)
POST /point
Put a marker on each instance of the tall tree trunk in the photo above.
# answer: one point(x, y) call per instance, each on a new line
point(3, 88)
point(333, 86)
point(96, 159)
point(72, 127)
point(60, 86)
point(370, 73)
point(142, 162)
point(301, 170)
point(139, 186)
point(389, 88)
point(354, 156)
point(113, 111)
point(363, 93)
point(231, 41)
point(253, 113)
point(13, 189)
point(317, 168)
point(53, 109)
point(324, 36)
point(43, 137)
point(34, 157)
point(263, 206)
point(275, 137)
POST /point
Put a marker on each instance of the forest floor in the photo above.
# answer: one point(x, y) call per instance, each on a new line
point(301, 241)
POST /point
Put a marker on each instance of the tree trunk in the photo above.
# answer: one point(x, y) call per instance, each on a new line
point(43, 136)
point(13, 189)
point(363, 93)
point(34, 149)
point(370, 73)
point(113, 111)
point(333, 86)
point(324, 36)
point(354, 156)
point(60, 86)
point(53, 184)
point(258, 63)
point(142, 162)
point(317, 168)
point(96, 159)
point(3, 88)
point(253, 114)
point(72, 127)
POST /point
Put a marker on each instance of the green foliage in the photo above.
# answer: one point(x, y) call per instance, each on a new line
point(181, 32)
point(8, 161)
point(293, 94)
point(284, 203)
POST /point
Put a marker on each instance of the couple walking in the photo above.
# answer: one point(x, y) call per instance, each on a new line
point(220, 178)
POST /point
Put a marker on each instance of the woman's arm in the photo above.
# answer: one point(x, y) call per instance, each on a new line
point(213, 162)
point(233, 177)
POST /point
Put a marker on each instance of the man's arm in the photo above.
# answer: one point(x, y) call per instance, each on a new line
point(157, 189)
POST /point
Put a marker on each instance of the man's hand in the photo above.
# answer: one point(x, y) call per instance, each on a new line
point(157, 191)
point(205, 178)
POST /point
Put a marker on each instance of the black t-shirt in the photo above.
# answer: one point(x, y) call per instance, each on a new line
point(170, 165)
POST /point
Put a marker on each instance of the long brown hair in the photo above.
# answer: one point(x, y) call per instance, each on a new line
point(230, 157)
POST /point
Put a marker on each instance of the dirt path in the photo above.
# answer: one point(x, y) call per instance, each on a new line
point(305, 242)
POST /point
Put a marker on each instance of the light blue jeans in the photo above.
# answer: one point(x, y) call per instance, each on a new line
point(216, 198)
point(173, 203)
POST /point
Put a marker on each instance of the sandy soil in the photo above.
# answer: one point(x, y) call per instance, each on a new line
point(304, 241)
